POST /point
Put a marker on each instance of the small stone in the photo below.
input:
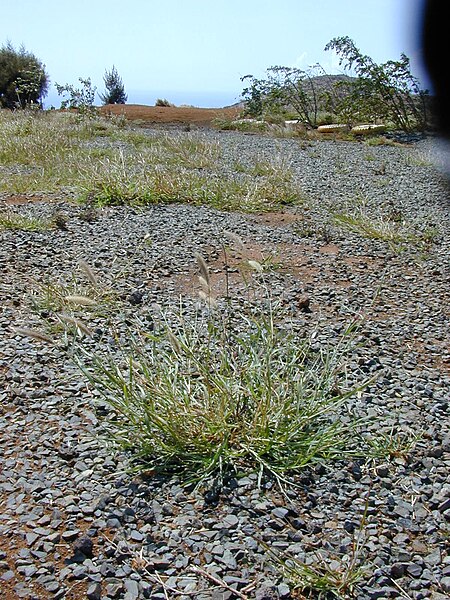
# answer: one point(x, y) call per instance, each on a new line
point(445, 584)
point(84, 545)
point(283, 590)
point(280, 513)
point(135, 297)
point(132, 589)
point(70, 534)
point(136, 535)
point(94, 591)
point(398, 570)
point(230, 521)
point(266, 592)
point(414, 570)
point(114, 590)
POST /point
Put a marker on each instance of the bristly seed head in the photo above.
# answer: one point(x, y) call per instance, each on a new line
point(88, 271)
point(173, 341)
point(203, 268)
point(77, 323)
point(34, 334)
point(233, 237)
point(254, 264)
point(81, 300)
point(205, 285)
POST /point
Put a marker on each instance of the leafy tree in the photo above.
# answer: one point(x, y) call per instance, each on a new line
point(385, 91)
point(285, 90)
point(115, 91)
point(81, 98)
point(23, 79)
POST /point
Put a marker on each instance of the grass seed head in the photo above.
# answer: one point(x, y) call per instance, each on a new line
point(203, 268)
point(34, 334)
point(88, 272)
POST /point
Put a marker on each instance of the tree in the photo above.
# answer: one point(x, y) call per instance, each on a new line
point(23, 79)
point(115, 91)
point(385, 91)
point(286, 90)
point(81, 98)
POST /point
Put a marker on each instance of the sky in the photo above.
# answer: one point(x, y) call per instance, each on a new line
point(195, 52)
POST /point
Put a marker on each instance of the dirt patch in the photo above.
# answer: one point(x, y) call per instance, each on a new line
point(277, 219)
point(169, 114)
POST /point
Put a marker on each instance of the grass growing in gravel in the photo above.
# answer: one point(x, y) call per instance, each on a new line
point(67, 302)
point(392, 229)
point(227, 388)
point(201, 399)
point(97, 160)
point(23, 222)
point(230, 391)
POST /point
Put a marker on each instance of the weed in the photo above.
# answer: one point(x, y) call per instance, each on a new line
point(393, 443)
point(226, 391)
point(334, 576)
point(76, 296)
point(13, 220)
point(389, 228)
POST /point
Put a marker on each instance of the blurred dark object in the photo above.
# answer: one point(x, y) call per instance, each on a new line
point(436, 46)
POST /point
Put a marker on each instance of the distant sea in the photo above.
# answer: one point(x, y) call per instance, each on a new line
point(200, 99)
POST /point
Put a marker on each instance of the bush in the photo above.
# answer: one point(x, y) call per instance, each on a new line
point(386, 92)
point(23, 80)
point(80, 98)
point(115, 91)
point(284, 90)
point(163, 102)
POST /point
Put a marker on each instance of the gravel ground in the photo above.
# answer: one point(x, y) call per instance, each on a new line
point(74, 523)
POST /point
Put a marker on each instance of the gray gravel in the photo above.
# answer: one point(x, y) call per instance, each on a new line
point(74, 523)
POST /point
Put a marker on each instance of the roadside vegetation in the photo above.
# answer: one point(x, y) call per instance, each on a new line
point(230, 387)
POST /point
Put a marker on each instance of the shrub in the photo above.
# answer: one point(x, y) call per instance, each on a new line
point(115, 91)
point(23, 80)
point(163, 102)
point(80, 98)
point(286, 89)
point(387, 91)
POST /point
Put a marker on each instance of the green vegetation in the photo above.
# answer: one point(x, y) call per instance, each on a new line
point(336, 578)
point(79, 297)
point(115, 90)
point(288, 92)
point(57, 151)
point(12, 220)
point(385, 92)
point(163, 102)
point(369, 92)
point(389, 228)
point(81, 98)
point(233, 390)
point(23, 80)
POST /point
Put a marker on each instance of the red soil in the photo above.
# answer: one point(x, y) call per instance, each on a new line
point(169, 114)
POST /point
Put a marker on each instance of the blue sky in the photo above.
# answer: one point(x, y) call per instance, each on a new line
point(196, 51)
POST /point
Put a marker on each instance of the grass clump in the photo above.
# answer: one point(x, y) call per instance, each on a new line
point(391, 228)
point(54, 152)
point(23, 222)
point(132, 179)
point(201, 400)
point(227, 392)
point(80, 297)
